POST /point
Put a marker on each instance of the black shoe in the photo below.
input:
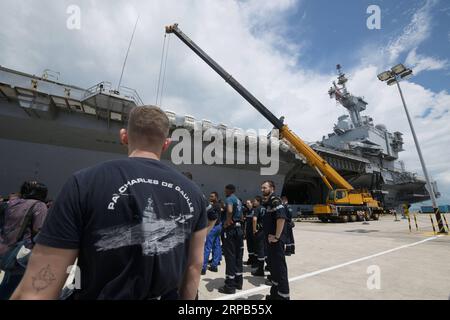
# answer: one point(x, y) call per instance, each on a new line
point(213, 269)
point(203, 272)
point(278, 297)
point(239, 286)
point(227, 290)
point(258, 273)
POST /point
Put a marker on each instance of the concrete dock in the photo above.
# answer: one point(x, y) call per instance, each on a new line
point(379, 260)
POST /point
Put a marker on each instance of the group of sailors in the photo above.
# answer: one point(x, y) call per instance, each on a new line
point(265, 222)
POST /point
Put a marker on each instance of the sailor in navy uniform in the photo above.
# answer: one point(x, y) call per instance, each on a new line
point(290, 243)
point(232, 242)
point(275, 237)
point(248, 213)
point(258, 237)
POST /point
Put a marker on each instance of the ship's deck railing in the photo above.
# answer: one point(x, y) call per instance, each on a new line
point(105, 87)
point(131, 94)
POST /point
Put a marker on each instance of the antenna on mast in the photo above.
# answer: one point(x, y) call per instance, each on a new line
point(126, 56)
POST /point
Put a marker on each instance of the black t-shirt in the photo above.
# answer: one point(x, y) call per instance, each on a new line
point(248, 212)
point(214, 213)
point(131, 220)
point(274, 211)
point(259, 212)
point(288, 212)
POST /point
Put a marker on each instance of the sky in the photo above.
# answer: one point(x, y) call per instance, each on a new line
point(284, 52)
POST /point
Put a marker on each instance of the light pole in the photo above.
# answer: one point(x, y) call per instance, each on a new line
point(392, 76)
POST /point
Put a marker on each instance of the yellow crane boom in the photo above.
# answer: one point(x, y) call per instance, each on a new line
point(344, 199)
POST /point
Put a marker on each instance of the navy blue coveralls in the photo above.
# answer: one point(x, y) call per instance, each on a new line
point(258, 241)
point(249, 236)
point(233, 245)
point(275, 250)
point(290, 241)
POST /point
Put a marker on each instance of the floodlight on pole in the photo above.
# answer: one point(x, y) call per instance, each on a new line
point(394, 76)
point(406, 73)
point(384, 75)
point(398, 69)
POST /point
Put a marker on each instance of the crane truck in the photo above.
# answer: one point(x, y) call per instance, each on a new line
point(344, 203)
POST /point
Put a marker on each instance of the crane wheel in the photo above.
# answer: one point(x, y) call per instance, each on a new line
point(376, 216)
point(343, 218)
point(353, 218)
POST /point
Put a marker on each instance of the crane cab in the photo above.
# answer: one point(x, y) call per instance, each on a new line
point(345, 197)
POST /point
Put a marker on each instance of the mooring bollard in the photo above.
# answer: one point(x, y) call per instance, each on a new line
point(432, 224)
point(445, 219)
point(366, 218)
point(415, 221)
point(395, 215)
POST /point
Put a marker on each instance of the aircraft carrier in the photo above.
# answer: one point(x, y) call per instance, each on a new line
point(50, 129)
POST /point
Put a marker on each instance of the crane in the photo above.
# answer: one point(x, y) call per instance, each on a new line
point(344, 203)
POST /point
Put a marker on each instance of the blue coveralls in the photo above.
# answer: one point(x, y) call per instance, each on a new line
point(212, 243)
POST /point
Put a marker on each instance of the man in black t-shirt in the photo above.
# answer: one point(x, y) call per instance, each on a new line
point(136, 226)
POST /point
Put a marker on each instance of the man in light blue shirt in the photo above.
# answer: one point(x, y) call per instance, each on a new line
point(232, 241)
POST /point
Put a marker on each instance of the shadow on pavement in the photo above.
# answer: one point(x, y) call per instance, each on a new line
point(214, 284)
point(256, 281)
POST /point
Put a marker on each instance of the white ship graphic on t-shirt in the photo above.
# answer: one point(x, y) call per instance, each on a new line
point(155, 235)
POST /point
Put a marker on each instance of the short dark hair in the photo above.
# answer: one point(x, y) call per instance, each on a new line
point(230, 187)
point(258, 198)
point(270, 182)
point(34, 190)
point(148, 127)
point(216, 194)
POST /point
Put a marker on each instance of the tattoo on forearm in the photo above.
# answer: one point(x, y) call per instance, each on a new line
point(43, 279)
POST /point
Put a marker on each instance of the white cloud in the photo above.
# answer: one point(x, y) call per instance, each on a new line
point(245, 38)
point(413, 34)
point(421, 63)
point(407, 41)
